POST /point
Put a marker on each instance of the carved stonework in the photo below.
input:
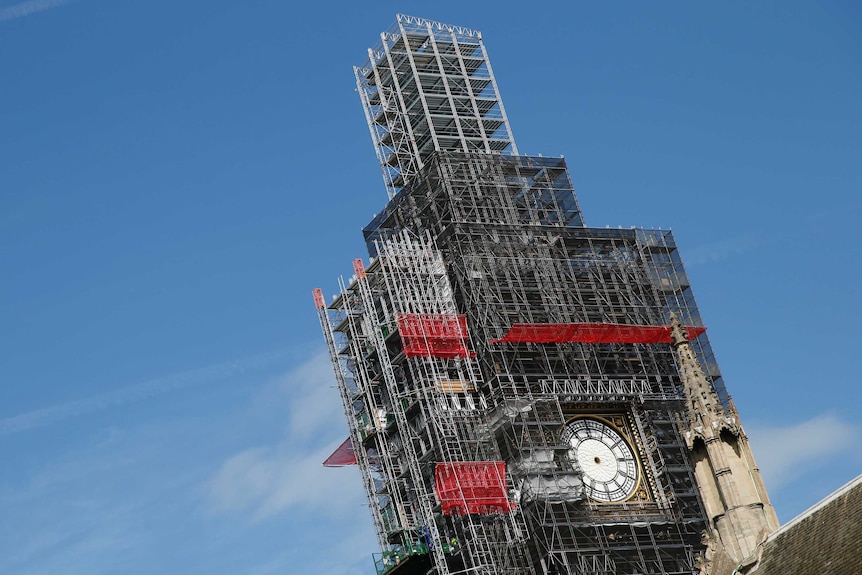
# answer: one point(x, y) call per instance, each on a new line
point(728, 479)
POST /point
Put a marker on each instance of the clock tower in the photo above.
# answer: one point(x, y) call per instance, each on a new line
point(508, 374)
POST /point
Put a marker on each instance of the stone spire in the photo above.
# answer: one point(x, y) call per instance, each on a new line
point(728, 479)
point(704, 406)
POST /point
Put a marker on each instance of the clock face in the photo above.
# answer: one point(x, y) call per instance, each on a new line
point(605, 458)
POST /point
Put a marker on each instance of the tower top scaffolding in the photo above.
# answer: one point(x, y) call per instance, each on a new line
point(428, 87)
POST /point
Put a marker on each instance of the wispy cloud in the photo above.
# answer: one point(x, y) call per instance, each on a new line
point(775, 234)
point(237, 479)
point(29, 7)
point(720, 250)
point(786, 453)
point(267, 480)
point(90, 504)
point(315, 400)
point(136, 392)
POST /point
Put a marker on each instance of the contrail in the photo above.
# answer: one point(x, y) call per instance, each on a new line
point(137, 392)
point(29, 7)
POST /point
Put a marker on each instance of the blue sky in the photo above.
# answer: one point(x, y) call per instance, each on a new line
point(175, 178)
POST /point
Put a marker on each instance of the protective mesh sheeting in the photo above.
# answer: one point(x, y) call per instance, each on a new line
point(591, 333)
point(434, 335)
point(468, 487)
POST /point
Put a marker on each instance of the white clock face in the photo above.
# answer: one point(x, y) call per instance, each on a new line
point(604, 457)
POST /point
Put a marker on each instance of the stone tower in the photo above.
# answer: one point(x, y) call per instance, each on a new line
point(730, 484)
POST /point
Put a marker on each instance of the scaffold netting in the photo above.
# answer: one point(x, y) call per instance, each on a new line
point(591, 333)
point(472, 487)
point(441, 335)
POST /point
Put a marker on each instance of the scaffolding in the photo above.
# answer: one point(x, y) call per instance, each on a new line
point(492, 334)
point(431, 379)
point(517, 246)
point(419, 418)
point(428, 87)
